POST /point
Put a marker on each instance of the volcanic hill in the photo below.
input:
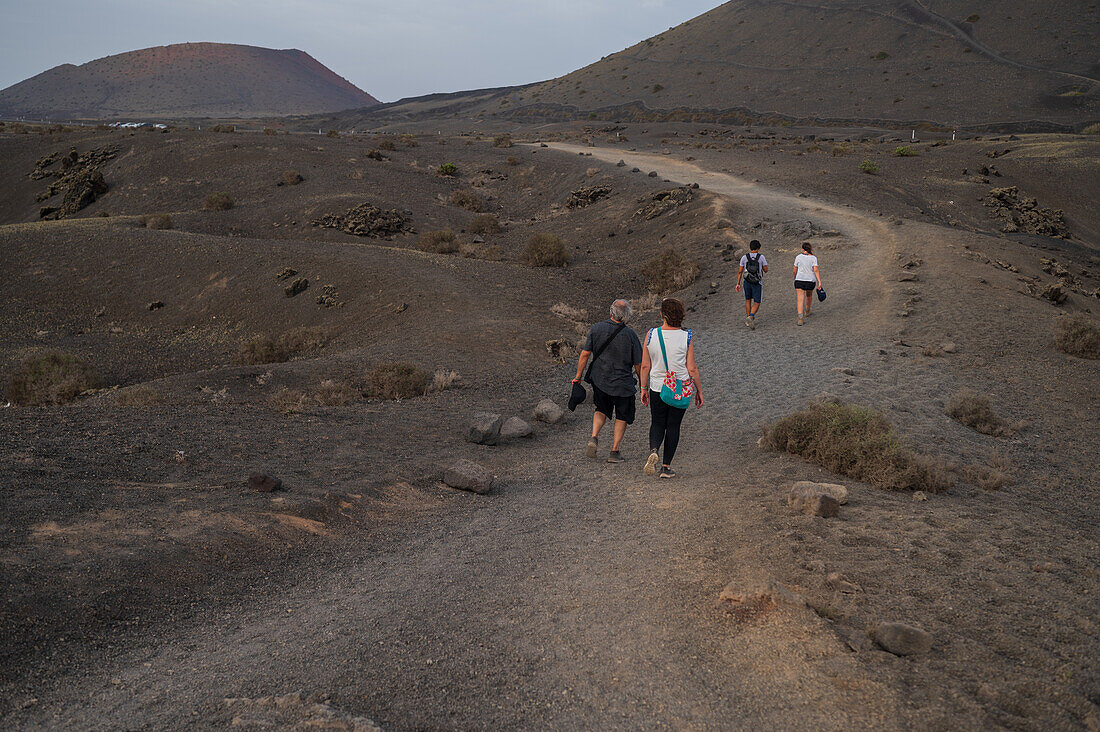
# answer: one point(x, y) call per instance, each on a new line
point(186, 80)
point(949, 62)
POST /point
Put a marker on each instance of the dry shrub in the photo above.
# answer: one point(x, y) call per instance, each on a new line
point(1078, 336)
point(502, 141)
point(440, 242)
point(485, 224)
point(859, 443)
point(512, 160)
point(931, 351)
point(51, 377)
point(396, 381)
point(139, 396)
point(568, 312)
point(670, 271)
point(156, 221)
point(332, 393)
point(839, 151)
point(270, 131)
point(592, 172)
point(220, 201)
point(258, 350)
point(992, 477)
point(386, 145)
point(302, 340)
point(409, 140)
point(291, 178)
point(975, 411)
point(290, 401)
point(545, 250)
point(332, 133)
point(645, 303)
point(467, 200)
point(223, 128)
point(445, 379)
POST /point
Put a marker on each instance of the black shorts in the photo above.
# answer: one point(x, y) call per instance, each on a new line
point(615, 407)
point(804, 285)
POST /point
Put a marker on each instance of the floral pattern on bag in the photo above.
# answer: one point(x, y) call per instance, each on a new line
point(687, 391)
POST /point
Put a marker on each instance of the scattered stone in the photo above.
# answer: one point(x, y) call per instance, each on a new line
point(837, 491)
point(948, 347)
point(561, 349)
point(466, 475)
point(1055, 294)
point(837, 581)
point(264, 483)
point(621, 164)
point(806, 498)
point(285, 274)
point(636, 170)
point(653, 174)
point(296, 287)
point(770, 591)
point(515, 428)
point(329, 297)
point(548, 411)
point(478, 240)
point(908, 277)
point(401, 308)
point(367, 220)
point(901, 639)
point(485, 429)
point(724, 224)
point(798, 229)
point(1043, 567)
point(588, 195)
point(663, 202)
point(101, 312)
point(920, 496)
point(845, 371)
point(155, 305)
point(1022, 214)
point(294, 712)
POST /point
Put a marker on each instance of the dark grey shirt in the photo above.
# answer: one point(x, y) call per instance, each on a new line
point(612, 371)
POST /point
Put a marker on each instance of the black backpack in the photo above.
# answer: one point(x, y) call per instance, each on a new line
point(752, 268)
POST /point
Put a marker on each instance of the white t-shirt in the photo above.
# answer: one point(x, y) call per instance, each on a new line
point(763, 263)
point(676, 344)
point(805, 264)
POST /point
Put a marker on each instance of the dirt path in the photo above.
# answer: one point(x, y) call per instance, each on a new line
point(579, 595)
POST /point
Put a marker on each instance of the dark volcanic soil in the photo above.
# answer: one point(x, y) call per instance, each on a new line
point(144, 584)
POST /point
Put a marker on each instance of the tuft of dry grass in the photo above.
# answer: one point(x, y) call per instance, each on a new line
point(290, 401)
point(445, 379)
point(332, 133)
point(669, 271)
point(291, 178)
point(485, 224)
point(976, 412)
point(220, 201)
point(440, 242)
point(332, 393)
point(467, 200)
point(992, 477)
point(141, 395)
point(156, 221)
point(512, 160)
point(303, 340)
point(645, 303)
point(50, 378)
point(568, 312)
point(859, 443)
point(1077, 336)
point(259, 349)
point(387, 145)
point(396, 381)
point(270, 131)
point(545, 250)
point(504, 140)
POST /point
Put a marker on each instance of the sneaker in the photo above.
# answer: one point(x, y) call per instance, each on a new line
point(752, 323)
point(590, 451)
point(748, 321)
point(651, 464)
point(667, 472)
point(800, 320)
point(615, 457)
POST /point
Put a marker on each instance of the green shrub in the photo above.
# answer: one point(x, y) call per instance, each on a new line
point(856, 442)
point(440, 242)
point(1078, 336)
point(904, 151)
point(545, 250)
point(1093, 129)
point(870, 167)
point(220, 201)
point(396, 381)
point(448, 169)
point(485, 224)
point(467, 200)
point(669, 271)
point(51, 377)
point(657, 88)
point(881, 56)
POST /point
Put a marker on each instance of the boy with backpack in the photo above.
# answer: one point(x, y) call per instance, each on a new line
point(753, 267)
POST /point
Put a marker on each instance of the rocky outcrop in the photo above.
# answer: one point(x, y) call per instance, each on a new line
point(1021, 214)
point(588, 195)
point(367, 220)
point(664, 201)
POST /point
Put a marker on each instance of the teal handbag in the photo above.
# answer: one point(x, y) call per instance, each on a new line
point(674, 392)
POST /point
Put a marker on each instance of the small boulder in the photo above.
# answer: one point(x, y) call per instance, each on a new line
point(466, 475)
point(724, 224)
point(296, 287)
point(485, 429)
point(769, 591)
point(901, 639)
point(837, 491)
point(806, 498)
point(264, 483)
point(948, 347)
point(837, 581)
point(548, 411)
point(653, 174)
point(621, 164)
point(516, 428)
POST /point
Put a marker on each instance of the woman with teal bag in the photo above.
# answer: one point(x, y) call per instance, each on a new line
point(670, 382)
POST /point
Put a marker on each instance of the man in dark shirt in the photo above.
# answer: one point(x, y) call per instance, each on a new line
point(613, 386)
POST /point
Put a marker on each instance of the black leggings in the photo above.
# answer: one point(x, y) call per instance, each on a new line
point(665, 426)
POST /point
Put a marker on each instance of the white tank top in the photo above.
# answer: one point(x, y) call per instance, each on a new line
point(676, 344)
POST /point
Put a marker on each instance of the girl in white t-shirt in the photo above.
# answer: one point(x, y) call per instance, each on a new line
point(807, 278)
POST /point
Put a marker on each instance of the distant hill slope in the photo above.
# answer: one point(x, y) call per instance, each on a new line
point(186, 80)
point(953, 62)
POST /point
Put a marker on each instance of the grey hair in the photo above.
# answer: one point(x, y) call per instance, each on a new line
point(621, 311)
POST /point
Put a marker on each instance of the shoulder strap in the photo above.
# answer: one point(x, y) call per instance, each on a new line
point(604, 345)
point(664, 353)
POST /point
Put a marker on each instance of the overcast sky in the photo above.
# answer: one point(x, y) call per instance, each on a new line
point(389, 48)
